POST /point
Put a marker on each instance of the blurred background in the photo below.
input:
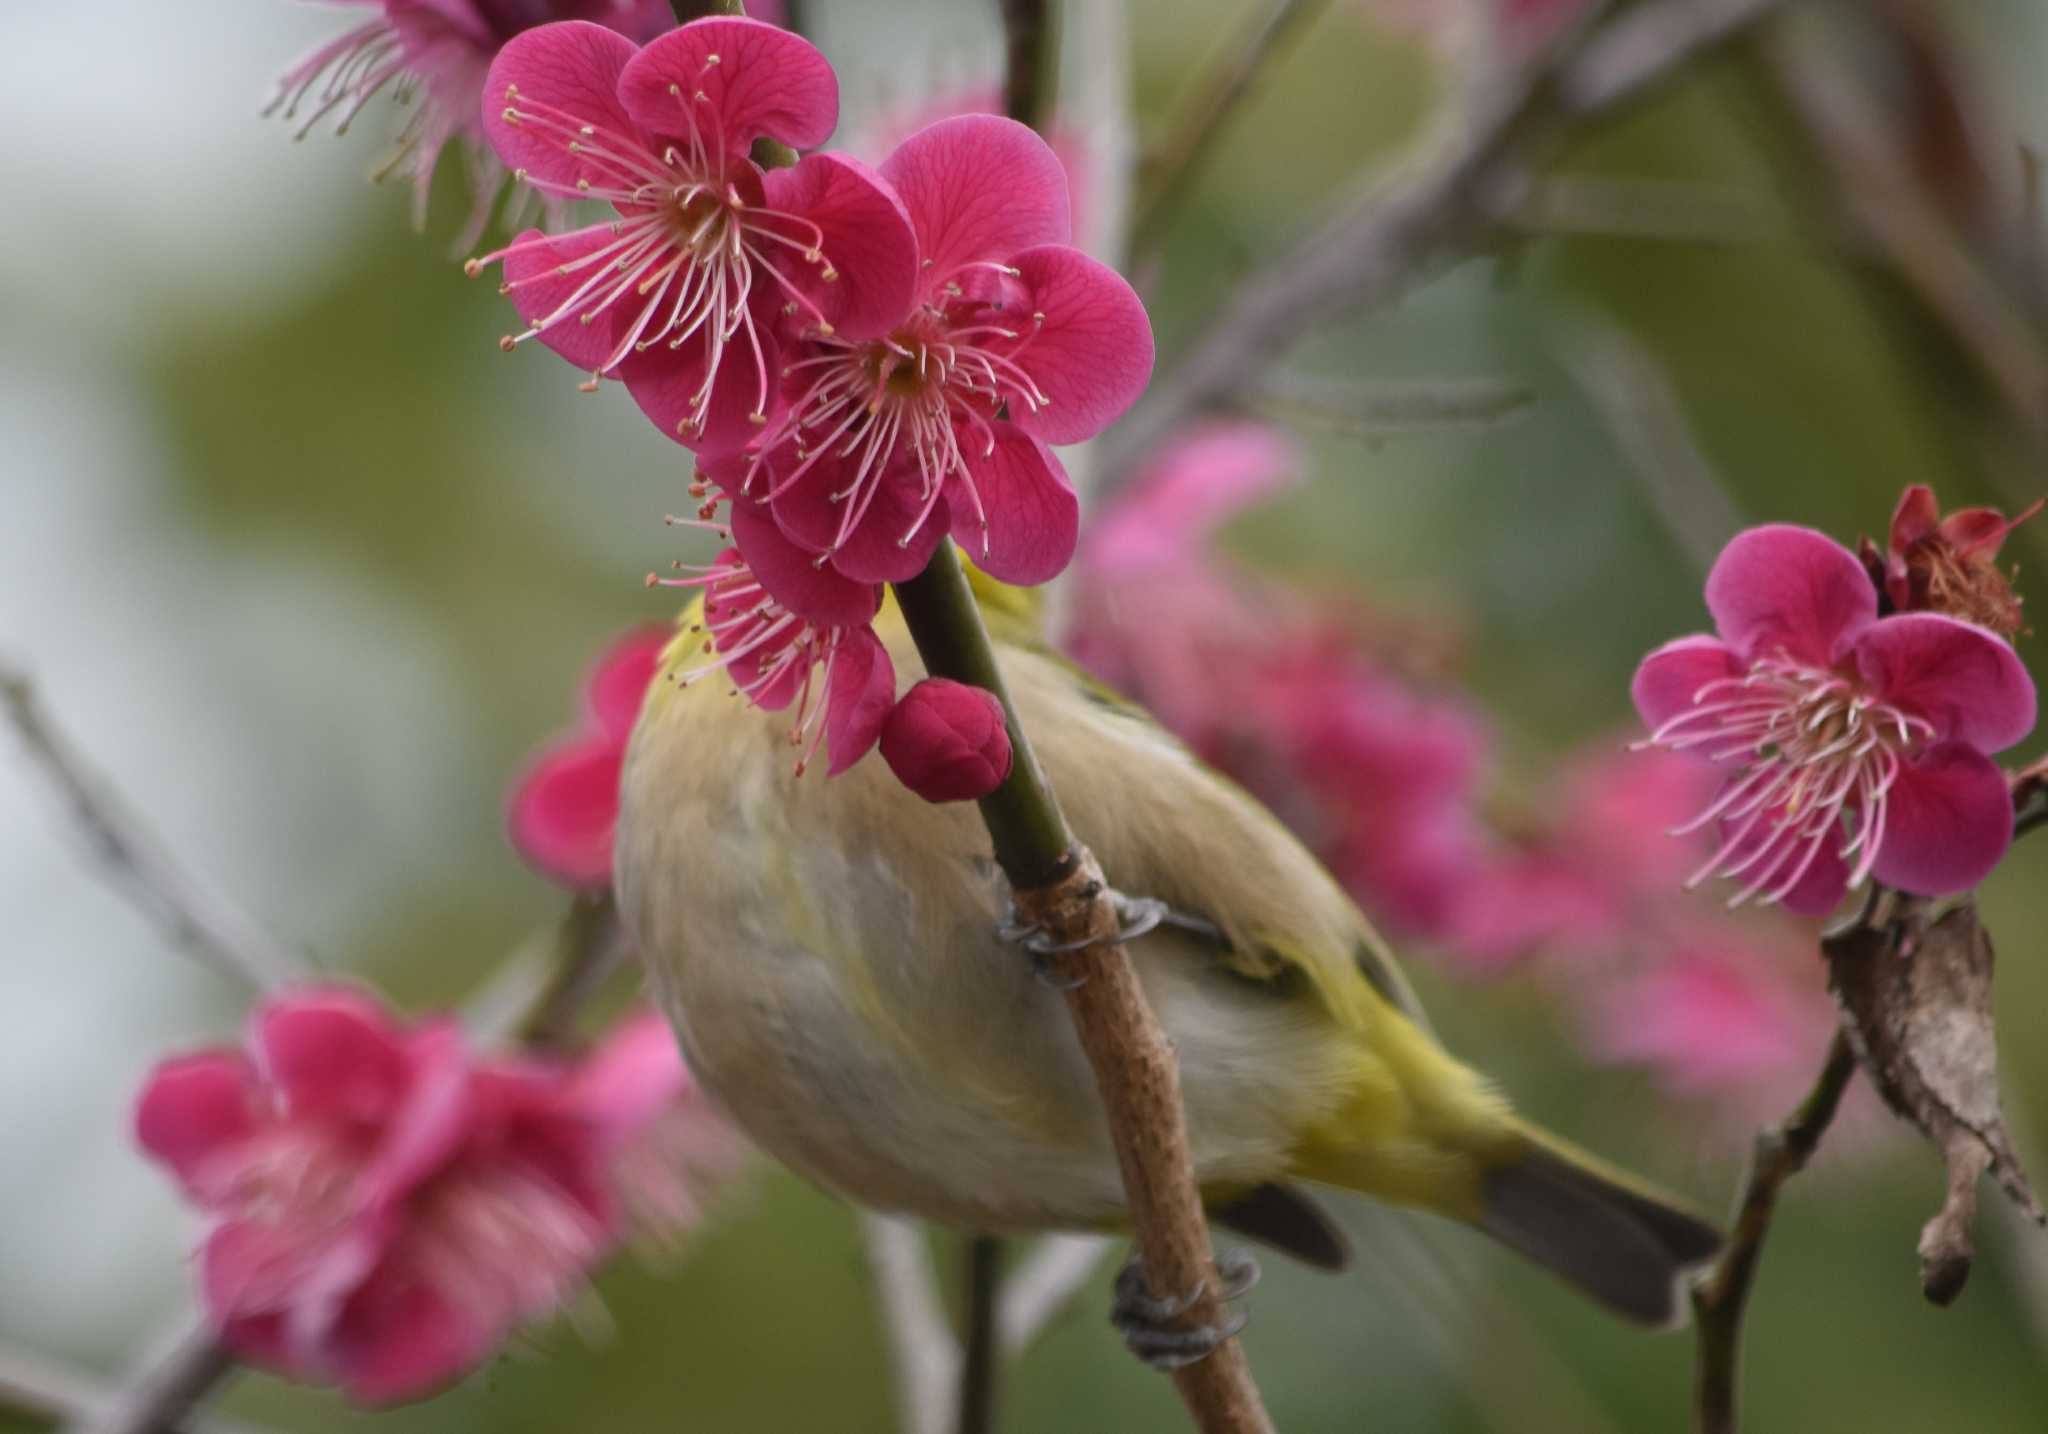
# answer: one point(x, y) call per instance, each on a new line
point(309, 568)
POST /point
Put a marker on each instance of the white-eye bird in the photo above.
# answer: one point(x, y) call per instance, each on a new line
point(828, 952)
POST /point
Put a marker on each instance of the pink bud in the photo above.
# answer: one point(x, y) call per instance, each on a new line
point(947, 741)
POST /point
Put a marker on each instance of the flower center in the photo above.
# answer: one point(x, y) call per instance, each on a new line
point(1817, 747)
point(931, 387)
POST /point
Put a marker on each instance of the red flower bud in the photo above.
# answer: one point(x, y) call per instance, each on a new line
point(947, 741)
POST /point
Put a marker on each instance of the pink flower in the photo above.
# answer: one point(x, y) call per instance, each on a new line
point(442, 48)
point(821, 658)
point(947, 742)
point(1937, 564)
point(937, 420)
point(384, 1205)
point(683, 294)
point(1833, 717)
point(564, 807)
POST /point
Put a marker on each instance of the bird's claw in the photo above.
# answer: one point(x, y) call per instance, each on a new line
point(1136, 916)
point(1146, 1321)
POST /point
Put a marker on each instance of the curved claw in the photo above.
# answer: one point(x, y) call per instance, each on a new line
point(1145, 1321)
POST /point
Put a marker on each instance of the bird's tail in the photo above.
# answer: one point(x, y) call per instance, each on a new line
point(1622, 1242)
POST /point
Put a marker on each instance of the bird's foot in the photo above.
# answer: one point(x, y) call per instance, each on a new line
point(1135, 915)
point(1147, 1323)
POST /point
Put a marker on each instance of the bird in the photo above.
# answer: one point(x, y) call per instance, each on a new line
point(831, 956)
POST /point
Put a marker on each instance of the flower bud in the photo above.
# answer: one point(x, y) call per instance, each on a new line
point(947, 741)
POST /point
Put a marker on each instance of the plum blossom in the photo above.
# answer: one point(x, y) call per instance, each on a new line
point(1848, 737)
point(439, 51)
point(385, 1206)
point(819, 656)
point(683, 294)
point(947, 741)
point(1948, 564)
point(937, 419)
point(566, 803)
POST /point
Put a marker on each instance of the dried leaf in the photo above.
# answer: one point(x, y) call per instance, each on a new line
point(1918, 1001)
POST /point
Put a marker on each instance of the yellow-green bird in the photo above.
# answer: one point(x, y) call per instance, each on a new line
point(828, 950)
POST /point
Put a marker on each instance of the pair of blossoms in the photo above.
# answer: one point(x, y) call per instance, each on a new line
point(864, 361)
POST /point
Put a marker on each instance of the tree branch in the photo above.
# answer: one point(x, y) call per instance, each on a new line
point(45, 1390)
point(1171, 173)
point(1041, 1288)
point(922, 1347)
point(1720, 1300)
point(138, 864)
point(1390, 239)
point(162, 1392)
point(1031, 61)
point(983, 1276)
point(1059, 889)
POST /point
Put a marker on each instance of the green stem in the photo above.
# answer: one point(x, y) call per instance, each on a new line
point(1032, 844)
point(984, 1271)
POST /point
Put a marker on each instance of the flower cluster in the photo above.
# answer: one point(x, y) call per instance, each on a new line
point(863, 361)
point(386, 1205)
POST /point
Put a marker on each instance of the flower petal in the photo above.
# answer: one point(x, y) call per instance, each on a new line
point(820, 595)
point(562, 813)
point(665, 383)
point(333, 1053)
point(1968, 683)
point(634, 1075)
point(623, 675)
point(192, 1108)
point(1085, 341)
point(1948, 820)
point(542, 277)
point(978, 187)
point(889, 542)
point(1015, 514)
point(1781, 589)
point(1820, 885)
point(1914, 518)
point(726, 81)
point(401, 1339)
point(434, 1121)
point(862, 692)
point(864, 236)
point(1669, 679)
point(566, 75)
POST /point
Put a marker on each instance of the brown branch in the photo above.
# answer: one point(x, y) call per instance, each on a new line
point(1394, 237)
point(1031, 60)
point(1170, 174)
point(137, 863)
point(1059, 889)
point(983, 1277)
point(1720, 1300)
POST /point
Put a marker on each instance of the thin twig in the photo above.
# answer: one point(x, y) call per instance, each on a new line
point(1170, 174)
point(1382, 410)
point(1719, 1300)
point(138, 864)
point(1394, 237)
point(925, 1354)
point(588, 948)
point(1044, 1284)
point(983, 1277)
point(1648, 424)
point(45, 1390)
point(1059, 889)
point(165, 1387)
point(1031, 61)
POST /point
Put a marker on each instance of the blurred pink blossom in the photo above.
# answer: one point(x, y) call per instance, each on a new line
point(385, 1205)
point(442, 50)
point(565, 805)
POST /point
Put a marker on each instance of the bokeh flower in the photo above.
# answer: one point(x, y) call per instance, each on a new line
point(566, 803)
point(938, 420)
point(682, 295)
point(385, 1205)
point(438, 52)
point(1849, 737)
